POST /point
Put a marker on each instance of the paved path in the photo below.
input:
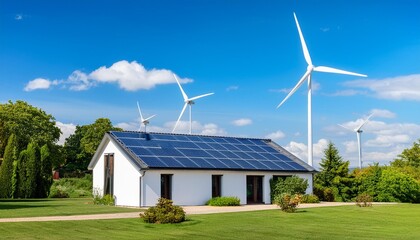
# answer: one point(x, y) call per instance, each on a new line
point(188, 209)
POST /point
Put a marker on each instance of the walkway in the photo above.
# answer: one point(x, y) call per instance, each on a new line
point(188, 209)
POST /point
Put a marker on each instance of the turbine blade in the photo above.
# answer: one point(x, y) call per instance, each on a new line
point(147, 119)
point(180, 115)
point(345, 127)
point(141, 116)
point(364, 122)
point(302, 41)
point(301, 81)
point(204, 95)
point(334, 70)
point(182, 90)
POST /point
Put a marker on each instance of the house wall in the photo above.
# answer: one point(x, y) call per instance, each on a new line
point(193, 187)
point(126, 177)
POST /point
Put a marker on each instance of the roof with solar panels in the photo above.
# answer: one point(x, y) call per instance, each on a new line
point(181, 151)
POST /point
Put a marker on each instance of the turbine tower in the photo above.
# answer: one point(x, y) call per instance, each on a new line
point(142, 120)
point(358, 132)
point(187, 101)
point(307, 76)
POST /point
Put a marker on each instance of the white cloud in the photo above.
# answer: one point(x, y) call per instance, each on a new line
point(276, 135)
point(242, 122)
point(18, 17)
point(351, 146)
point(382, 113)
point(232, 88)
point(395, 88)
point(38, 83)
point(301, 150)
point(67, 129)
point(130, 76)
point(348, 92)
point(325, 29)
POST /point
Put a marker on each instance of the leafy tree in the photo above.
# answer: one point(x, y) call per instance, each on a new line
point(6, 169)
point(333, 175)
point(29, 166)
point(80, 147)
point(45, 174)
point(409, 157)
point(290, 185)
point(366, 180)
point(395, 186)
point(28, 123)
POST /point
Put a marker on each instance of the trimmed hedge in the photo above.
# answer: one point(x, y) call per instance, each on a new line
point(224, 201)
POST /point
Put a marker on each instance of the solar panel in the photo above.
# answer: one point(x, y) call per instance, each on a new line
point(159, 150)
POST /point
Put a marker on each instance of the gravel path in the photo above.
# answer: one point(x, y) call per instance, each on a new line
point(188, 209)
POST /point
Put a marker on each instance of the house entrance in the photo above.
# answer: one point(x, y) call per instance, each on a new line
point(109, 174)
point(254, 189)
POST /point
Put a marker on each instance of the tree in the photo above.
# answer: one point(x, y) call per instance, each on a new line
point(366, 180)
point(28, 123)
point(29, 166)
point(45, 179)
point(333, 175)
point(395, 186)
point(409, 157)
point(6, 169)
point(80, 147)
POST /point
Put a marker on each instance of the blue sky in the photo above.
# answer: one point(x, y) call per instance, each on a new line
point(81, 60)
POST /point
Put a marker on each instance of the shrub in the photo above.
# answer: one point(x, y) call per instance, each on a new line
point(288, 202)
point(324, 193)
point(164, 212)
point(58, 192)
point(73, 187)
point(395, 186)
point(291, 185)
point(224, 201)
point(364, 200)
point(107, 199)
point(309, 198)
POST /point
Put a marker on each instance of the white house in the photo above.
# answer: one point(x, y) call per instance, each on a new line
point(137, 168)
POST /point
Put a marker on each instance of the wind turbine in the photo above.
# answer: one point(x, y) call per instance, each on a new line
point(142, 120)
point(358, 132)
point(187, 101)
point(307, 76)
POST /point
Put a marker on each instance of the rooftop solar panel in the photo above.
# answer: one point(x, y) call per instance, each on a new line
point(160, 150)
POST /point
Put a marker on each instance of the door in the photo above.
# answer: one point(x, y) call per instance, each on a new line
point(254, 189)
point(166, 186)
point(109, 174)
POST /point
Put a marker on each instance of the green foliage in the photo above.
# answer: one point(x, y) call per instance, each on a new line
point(333, 175)
point(45, 173)
point(28, 172)
point(80, 147)
point(7, 168)
point(291, 185)
point(409, 157)
point(364, 200)
point(309, 198)
point(224, 201)
point(366, 180)
point(395, 186)
point(107, 200)
point(28, 123)
point(288, 202)
point(72, 187)
point(164, 212)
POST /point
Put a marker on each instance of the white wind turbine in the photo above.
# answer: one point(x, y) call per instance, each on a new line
point(143, 120)
point(187, 101)
point(358, 132)
point(307, 76)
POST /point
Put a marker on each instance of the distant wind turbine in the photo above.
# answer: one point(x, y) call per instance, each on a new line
point(358, 132)
point(307, 76)
point(187, 101)
point(143, 121)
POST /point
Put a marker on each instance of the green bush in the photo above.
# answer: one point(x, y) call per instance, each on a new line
point(58, 192)
point(107, 199)
point(291, 185)
point(164, 212)
point(395, 186)
point(309, 198)
point(73, 187)
point(364, 200)
point(224, 201)
point(324, 193)
point(288, 202)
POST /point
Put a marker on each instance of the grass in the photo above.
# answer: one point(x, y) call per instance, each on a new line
point(54, 207)
point(398, 221)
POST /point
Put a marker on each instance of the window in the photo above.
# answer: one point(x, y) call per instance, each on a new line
point(166, 186)
point(216, 186)
point(109, 174)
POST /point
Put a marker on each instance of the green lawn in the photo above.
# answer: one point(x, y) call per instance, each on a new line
point(400, 221)
point(53, 207)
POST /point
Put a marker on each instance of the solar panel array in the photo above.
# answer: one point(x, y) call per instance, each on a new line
point(159, 150)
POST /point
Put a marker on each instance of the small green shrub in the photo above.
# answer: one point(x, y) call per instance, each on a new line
point(58, 192)
point(288, 202)
point(291, 185)
point(73, 187)
point(164, 212)
point(309, 198)
point(224, 201)
point(364, 200)
point(106, 199)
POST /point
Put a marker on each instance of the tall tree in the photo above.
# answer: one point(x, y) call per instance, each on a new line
point(334, 174)
point(409, 157)
point(29, 166)
point(11, 155)
point(45, 179)
point(28, 123)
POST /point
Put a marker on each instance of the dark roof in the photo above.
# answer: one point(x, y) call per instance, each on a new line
point(180, 151)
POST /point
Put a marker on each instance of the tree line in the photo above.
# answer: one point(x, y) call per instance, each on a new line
point(29, 149)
